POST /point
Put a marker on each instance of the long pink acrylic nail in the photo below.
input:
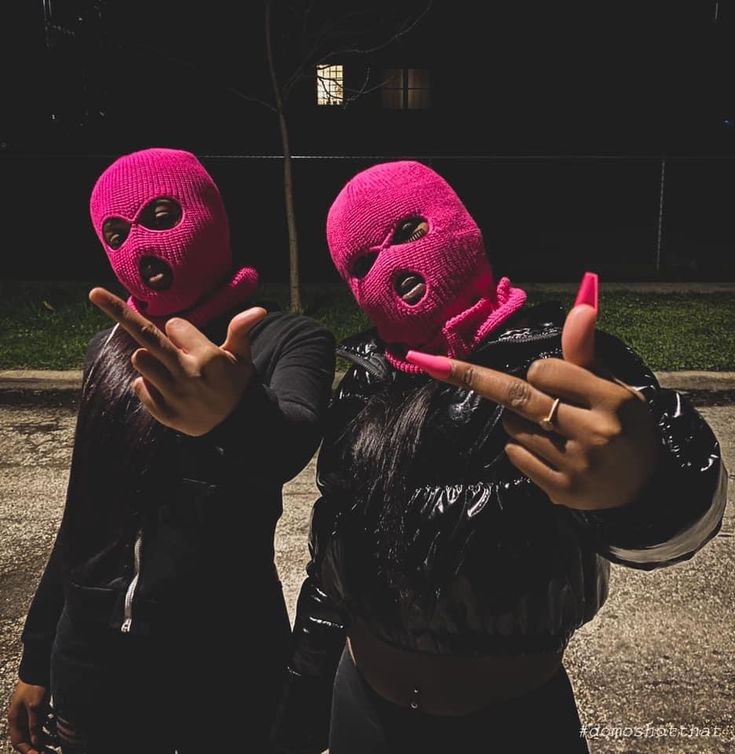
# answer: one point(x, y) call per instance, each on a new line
point(587, 293)
point(439, 367)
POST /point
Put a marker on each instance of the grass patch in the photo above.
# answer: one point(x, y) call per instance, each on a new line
point(47, 325)
point(671, 331)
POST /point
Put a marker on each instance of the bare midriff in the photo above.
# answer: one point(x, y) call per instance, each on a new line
point(444, 684)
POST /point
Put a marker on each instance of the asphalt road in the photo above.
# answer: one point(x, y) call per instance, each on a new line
point(653, 673)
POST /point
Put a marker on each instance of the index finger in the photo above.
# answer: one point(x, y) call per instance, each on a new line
point(513, 393)
point(140, 329)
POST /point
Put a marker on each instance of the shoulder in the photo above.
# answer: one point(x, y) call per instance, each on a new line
point(281, 326)
point(365, 351)
point(284, 341)
point(368, 370)
point(621, 359)
point(548, 318)
point(542, 317)
point(535, 332)
point(532, 333)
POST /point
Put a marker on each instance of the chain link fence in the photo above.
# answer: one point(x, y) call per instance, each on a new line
point(544, 217)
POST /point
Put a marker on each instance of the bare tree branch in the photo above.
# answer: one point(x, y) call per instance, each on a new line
point(204, 75)
point(364, 89)
point(301, 68)
point(323, 84)
point(309, 59)
point(333, 36)
point(351, 94)
point(249, 98)
point(410, 25)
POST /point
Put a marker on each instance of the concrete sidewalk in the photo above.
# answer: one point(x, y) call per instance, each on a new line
point(36, 381)
point(659, 654)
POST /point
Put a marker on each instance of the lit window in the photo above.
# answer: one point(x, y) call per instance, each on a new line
point(406, 89)
point(329, 85)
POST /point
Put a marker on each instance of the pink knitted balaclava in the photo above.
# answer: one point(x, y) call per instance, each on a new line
point(193, 256)
point(455, 302)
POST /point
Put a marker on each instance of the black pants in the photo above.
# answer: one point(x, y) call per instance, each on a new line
point(363, 722)
point(122, 694)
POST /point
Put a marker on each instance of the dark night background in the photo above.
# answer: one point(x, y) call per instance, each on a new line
point(550, 119)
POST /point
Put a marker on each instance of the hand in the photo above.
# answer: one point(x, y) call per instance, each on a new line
point(26, 713)
point(187, 382)
point(601, 446)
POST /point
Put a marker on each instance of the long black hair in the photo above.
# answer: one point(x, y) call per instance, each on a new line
point(116, 441)
point(380, 447)
point(108, 400)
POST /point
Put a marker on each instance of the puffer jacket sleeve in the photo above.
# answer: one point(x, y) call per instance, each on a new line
point(682, 505)
point(288, 410)
point(320, 626)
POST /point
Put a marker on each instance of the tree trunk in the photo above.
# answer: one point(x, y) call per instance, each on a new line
point(293, 239)
point(294, 280)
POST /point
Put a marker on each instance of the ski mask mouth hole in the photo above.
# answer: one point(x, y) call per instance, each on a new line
point(411, 287)
point(155, 273)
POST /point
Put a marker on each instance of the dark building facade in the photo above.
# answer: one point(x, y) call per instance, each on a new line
point(553, 120)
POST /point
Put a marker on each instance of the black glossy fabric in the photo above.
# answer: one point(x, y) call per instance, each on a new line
point(496, 567)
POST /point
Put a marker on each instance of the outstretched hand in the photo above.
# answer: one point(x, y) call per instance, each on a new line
point(597, 446)
point(186, 382)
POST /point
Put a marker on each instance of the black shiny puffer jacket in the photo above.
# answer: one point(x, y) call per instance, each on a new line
point(497, 568)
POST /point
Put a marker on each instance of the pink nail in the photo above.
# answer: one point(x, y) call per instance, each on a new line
point(439, 367)
point(587, 293)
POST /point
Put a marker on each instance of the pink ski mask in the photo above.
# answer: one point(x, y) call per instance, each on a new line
point(184, 268)
point(416, 263)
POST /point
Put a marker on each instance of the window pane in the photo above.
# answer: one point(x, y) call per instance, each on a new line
point(418, 78)
point(418, 89)
point(418, 99)
point(406, 89)
point(393, 99)
point(393, 88)
point(393, 78)
point(329, 85)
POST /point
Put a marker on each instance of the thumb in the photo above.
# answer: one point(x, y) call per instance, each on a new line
point(578, 336)
point(238, 332)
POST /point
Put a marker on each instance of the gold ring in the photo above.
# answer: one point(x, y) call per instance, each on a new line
point(548, 422)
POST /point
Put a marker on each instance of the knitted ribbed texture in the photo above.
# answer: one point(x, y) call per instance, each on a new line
point(462, 302)
point(197, 249)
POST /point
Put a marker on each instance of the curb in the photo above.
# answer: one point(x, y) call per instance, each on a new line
point(687, 380)
point(32, 380)
point(27, 382)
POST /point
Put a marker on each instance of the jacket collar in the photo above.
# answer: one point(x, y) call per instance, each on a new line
point(530, 323)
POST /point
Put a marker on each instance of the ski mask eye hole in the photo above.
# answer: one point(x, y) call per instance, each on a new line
point(161, 214)
point(410, 229)
point(363, 264)
point(115, 230)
